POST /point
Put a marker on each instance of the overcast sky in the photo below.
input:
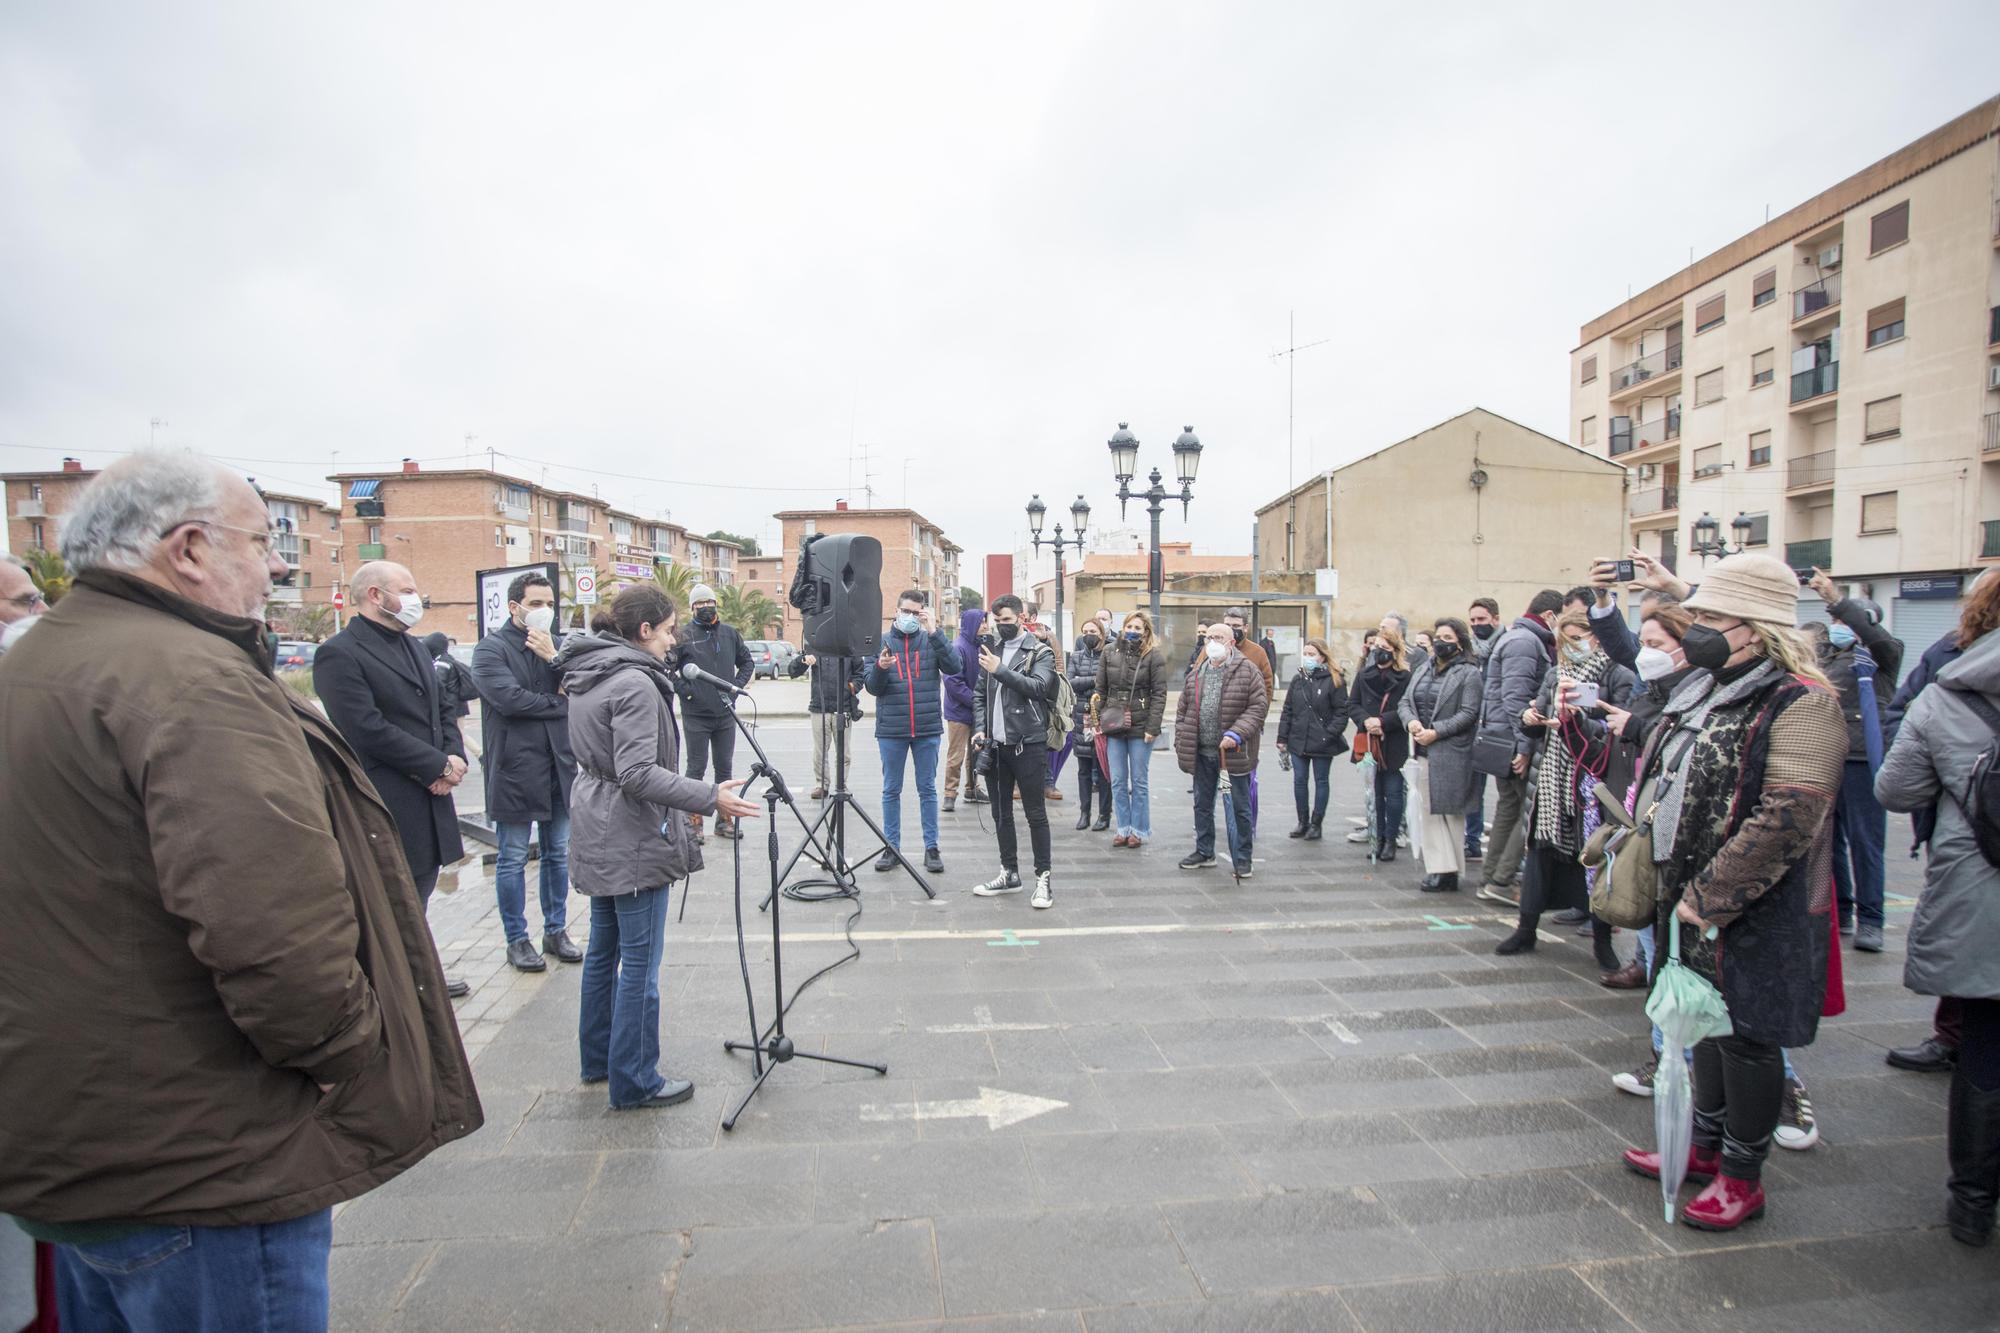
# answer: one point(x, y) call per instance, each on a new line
point(725, 247)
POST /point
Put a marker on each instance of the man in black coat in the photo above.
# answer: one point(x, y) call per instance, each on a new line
point(524, 729)
point(834, 702)
point(708, 722)
point(381, 694)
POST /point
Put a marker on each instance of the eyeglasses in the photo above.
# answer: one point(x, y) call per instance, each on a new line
point(265, 538)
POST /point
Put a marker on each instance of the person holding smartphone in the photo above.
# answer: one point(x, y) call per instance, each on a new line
point(909, 722)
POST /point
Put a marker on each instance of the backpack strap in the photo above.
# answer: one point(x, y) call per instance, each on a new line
point(1977, 703)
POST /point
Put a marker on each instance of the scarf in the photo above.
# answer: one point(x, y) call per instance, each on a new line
point(1687, 713)
point(1558, 778)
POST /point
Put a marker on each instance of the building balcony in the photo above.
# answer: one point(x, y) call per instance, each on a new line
point(1822, 298)
point(371, 551)
point(573, 525)
point(515, 513)
point(1991, 442)
point(1815, 383)
point(1993, 328)
point(1628, 437)
point(1816, 554)
point(287, 550)
point(1646, 369)
point(1809, 472)
point(290, 595)
point(30, 509)
point(1989, 539)
point(1656, 503)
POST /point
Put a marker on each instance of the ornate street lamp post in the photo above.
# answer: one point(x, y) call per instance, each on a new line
point(1079, 514)
point(1708, 543)
point(1124, 465)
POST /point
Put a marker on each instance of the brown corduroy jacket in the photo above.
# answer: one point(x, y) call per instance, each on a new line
point(210, 916)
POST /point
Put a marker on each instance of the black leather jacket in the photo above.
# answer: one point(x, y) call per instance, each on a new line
point(1024, 691)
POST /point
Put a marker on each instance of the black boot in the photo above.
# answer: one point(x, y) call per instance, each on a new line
point(1083, 819)
point(1441, 884)
point(1313, 834)
point(1600, 937)
point(1388, 852)
point(1521, 941)
point(1972, 1148)
point(1103, 821)
point(1300, 831)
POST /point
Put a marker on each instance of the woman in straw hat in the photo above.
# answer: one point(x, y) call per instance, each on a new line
point(1741, 772)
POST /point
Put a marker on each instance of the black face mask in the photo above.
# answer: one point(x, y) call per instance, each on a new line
point(1090, 642)
point(1006, 632)
point(1237, 630)
point(705, 616)
point(1444, 650)
point(1484, 631)
point(1706, 648)
point(1383, 657)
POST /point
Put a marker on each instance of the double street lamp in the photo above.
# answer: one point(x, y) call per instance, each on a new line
point(1708, 543)
point(1080, 517)
point(1124, 465)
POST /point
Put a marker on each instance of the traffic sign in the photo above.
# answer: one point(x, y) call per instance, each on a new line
point(339, 599)
point(586, 586)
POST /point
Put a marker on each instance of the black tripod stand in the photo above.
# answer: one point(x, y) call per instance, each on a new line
point(770, 1047)
point(839, 879)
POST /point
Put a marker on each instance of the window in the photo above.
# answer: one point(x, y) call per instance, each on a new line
point(518, 497)
point(499, 536)
point(34, 490)
point(1889, 227)
point(306, 545)
point(1589, 369)
point(1760, 448)
point(1708, 387)
point(1764, 288)
point(1590, 432)
point(374, 534)
point(1883, 418)
point(1763, 367)
point(35, 537)
point(1708, 314)
point(1885, 323)
point(1878, 512)
point(812, 527)
point(1760, 530)
point(305, 580)
point(333, 523)
point(1708, 461)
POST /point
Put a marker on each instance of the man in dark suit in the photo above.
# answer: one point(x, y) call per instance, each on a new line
point(381, 694)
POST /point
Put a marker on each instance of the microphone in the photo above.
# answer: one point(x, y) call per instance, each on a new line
point(691, 673)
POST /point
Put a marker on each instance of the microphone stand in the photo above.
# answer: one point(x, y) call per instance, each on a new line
point(770, 1047)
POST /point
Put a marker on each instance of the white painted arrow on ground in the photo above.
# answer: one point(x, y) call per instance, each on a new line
point(999, 1108)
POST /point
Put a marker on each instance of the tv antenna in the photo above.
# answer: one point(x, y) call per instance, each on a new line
point(1290, 356)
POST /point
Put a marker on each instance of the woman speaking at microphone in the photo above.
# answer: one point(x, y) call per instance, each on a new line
point(628, 845)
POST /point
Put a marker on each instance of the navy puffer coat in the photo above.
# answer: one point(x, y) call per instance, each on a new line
point(911, 706)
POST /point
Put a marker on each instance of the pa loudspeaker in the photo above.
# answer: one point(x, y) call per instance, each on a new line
point(843, 578)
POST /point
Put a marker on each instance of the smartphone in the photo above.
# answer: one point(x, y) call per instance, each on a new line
point(1625, 573)
point(1584, 694)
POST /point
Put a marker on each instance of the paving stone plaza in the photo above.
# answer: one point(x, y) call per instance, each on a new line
point(1313, 1100)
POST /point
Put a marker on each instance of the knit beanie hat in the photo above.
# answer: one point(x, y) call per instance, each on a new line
point(702, 593)
point(1760, 588)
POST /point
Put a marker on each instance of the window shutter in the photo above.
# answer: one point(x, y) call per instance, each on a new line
point(1889, 227)
point(1760, 530)
point(1764, 288)
point(1885, 321)
point(1884, 417)
point(1708, 460)
point(1708, 314)
point(1589, 369)
point(1761, 367)
point(1760, 448)
point(1708, 386)
point(1878, 512)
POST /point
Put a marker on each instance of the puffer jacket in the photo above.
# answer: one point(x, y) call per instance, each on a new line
point(1132, 686)
point(1923, 820)
point(912, 704)
point(1245, 705)
point(1023, 692)
point(1954, 946)
point(628, 779)
point(1314, 721)
point(958, 684)
point(1514, 671)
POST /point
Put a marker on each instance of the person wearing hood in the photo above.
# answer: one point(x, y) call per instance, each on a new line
point(1312, 730)
point(1860, 825)
point(958, 701)
point(1954, 941)
point(719, 650)
point(633, 842)
point(529, 769)
point(1514, 670)
point(1740, 775)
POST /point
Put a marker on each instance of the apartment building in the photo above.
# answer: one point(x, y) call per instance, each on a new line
point(1825, 388)
point(915, 553)
point(639, 544)
point(307, 528)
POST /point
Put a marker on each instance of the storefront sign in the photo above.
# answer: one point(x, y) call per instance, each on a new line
point(1931, 588)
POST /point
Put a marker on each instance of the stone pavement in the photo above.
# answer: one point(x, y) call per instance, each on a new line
point(1315, 1100)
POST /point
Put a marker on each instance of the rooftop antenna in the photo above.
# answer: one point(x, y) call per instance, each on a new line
point(152, 434)
point(1291, 359)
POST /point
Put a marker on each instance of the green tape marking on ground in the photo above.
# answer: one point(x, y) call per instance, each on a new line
point(1439, 923)
point(1009, 940)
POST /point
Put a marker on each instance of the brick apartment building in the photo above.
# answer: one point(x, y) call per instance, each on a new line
point(309, 530)
point(915, 554)
point(639, 543)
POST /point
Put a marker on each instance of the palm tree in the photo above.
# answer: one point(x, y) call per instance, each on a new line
point(677, 582)
point(48, 573)
point(750, 612)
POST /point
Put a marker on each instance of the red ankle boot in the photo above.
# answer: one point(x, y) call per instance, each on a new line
point(1703, 1164)
point(1725, 1205)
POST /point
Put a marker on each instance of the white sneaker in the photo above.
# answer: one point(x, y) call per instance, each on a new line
point(1797, 1129)
point(1359, 835)
point(1403, 842)
point(1004, 882)
point(1638, 1082)
point(1044, 895)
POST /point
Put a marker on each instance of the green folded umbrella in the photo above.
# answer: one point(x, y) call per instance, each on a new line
point(1686, 1007)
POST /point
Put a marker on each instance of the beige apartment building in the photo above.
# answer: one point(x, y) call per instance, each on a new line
point(308, 531)
point(640, 544)
point(915, 554)
point(1826, 388)
point(1477, 506)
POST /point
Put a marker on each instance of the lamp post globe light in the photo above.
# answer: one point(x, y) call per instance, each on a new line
point(1124, 447)
point(1708, 543)
point(1079, 513)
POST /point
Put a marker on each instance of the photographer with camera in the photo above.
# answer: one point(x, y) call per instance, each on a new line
point(909, 722)
point(1017, 684)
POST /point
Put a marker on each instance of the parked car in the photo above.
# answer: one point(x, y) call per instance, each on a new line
point(769, 658)
point(295, 654)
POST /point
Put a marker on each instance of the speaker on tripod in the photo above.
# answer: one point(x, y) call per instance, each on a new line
point(838, 591)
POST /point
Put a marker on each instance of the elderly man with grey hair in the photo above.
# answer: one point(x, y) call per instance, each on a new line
point(223, 1013)
point(21, 601)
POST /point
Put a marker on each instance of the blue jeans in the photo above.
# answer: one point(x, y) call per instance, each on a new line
point(1131, 798)
point(1390, 794)
point(510, 877)
point(1475, 815)
point(1860, 827)
point(619, 1032)
point(1307, 769)
point(924, 750)
point(1236, 808)
point(179, 1279)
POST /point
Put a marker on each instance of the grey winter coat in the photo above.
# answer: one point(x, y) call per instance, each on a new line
point(1455, 718)
point(1954, 946)
point(1514, 671)
point(624, 835)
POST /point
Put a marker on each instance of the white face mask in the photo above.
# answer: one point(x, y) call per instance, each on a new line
point(411, 609)
point(539, 617)
point(1217, 651)
point(1652, 664)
